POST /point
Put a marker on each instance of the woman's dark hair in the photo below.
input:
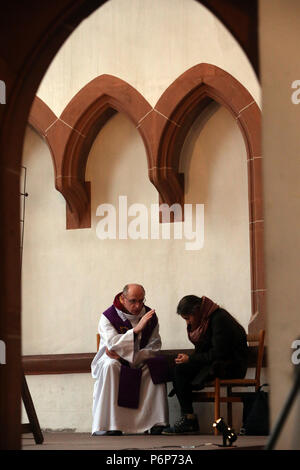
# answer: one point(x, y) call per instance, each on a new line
point(189, 305)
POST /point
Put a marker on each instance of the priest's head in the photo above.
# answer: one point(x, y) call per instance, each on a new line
point(133, 298)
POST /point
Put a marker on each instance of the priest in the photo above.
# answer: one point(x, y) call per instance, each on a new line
point(129, 390)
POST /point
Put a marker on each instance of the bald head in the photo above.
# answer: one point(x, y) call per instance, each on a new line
point(133, 289)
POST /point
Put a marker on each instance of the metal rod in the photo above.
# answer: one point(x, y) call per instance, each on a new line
point(24, 194)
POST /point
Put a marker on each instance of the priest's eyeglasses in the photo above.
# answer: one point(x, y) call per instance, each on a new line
point(136, 301)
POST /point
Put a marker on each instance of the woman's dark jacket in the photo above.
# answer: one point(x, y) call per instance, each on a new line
point(222, 352)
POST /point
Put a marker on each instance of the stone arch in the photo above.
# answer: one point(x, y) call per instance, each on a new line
point(41, 119)
point(176, 110)
point(71, 135)
point(163, 129)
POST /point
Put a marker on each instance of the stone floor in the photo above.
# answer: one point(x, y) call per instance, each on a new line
point(84, 441)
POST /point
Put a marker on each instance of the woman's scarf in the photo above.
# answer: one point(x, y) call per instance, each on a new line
point(202, 319)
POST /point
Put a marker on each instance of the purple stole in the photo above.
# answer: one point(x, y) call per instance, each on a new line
point(130, 379)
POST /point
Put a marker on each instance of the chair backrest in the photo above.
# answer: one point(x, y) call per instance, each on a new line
point(260, 341)
point(98, 340)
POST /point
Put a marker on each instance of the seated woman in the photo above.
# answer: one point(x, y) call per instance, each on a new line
point(220, 351)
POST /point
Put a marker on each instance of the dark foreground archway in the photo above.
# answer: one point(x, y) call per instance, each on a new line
point(31, 34)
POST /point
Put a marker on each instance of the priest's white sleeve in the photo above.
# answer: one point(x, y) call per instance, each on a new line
point(122, 344)
point(150, 350)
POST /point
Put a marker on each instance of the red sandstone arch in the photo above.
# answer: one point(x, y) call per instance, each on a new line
point(180, 104)
point(42, 118)
point(177, 109)
point(71, 135)
point(163, 129)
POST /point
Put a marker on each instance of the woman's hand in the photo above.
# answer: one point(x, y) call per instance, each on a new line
point(182, 358)
point(143, 321)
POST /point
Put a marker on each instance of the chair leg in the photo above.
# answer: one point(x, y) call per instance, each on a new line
point(229, 414)
point(217, 402)
point(229, 408)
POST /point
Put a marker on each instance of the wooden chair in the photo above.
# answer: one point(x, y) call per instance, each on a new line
point(233, 397)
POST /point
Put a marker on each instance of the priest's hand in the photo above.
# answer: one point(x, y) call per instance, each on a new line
point(143, 321)
point(112, 354)
point(181, 358)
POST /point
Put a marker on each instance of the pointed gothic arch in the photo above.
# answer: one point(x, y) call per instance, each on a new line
point(163, 130)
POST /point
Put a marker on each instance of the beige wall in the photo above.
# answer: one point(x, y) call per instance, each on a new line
point(280, 33)
point(147, 43)
point(69, 277)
